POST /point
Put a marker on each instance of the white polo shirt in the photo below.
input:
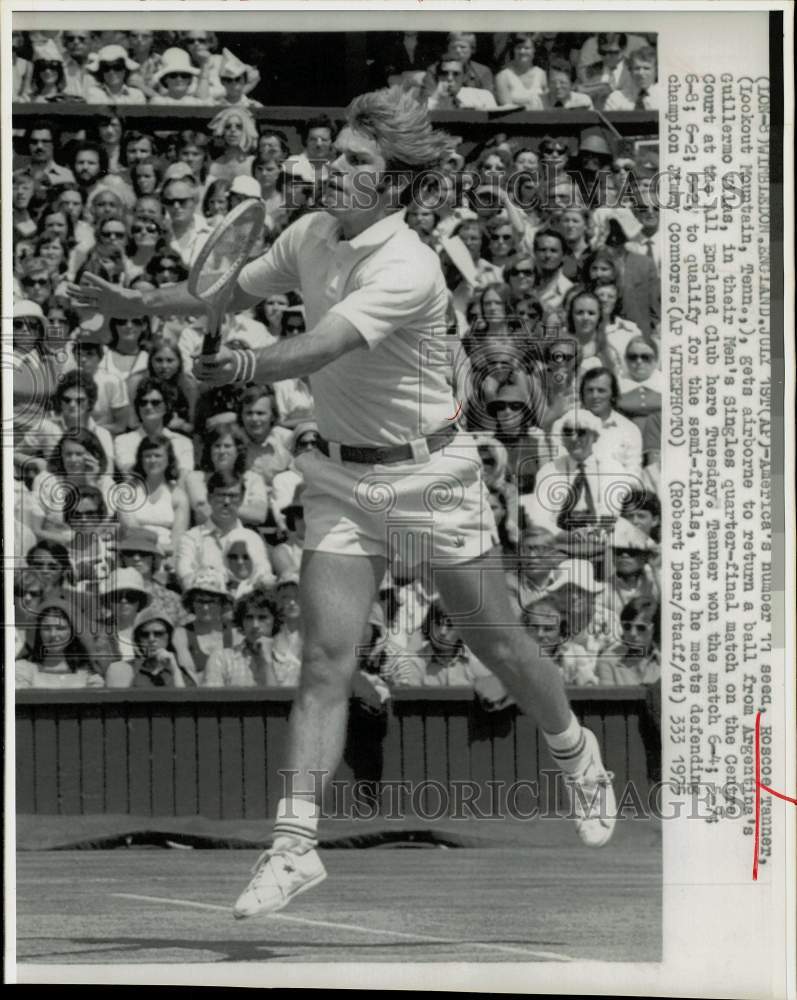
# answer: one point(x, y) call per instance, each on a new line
point(390, 286)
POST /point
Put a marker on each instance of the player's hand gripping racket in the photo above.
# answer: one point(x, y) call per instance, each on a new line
point(215, 271)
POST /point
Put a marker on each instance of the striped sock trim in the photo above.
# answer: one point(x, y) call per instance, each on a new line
point(572, 753)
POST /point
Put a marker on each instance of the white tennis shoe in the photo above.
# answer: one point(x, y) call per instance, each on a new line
point(592, 798)
point(280, 873)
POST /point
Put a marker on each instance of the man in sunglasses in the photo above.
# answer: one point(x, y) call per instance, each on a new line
point(189, 232)
point(42, 139)
point(76, 46)
point(376, 305)
point(576, 490)
point(450, 91)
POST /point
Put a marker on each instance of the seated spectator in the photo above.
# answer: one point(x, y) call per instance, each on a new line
point(450, 93)
point(235, 130)
point(124, 596)
point(630, 573)
point(249, 662)
point(140, 47)
point(48, 77)
point(28, 592)
point(207, 599)
point(165, 365)
point(36, 280)
point(620, 441)
point(513, 402)
point(22, 189)
point(138, 549)
point(267, 171)
point(146, 177)
point(520, 82)
point(166, 268)
point(642, 387)
point(147, 237)
point(154, 664)
point(77, 460)
point(646, 241)
point(91, 549)
point(576, 488)
point(560, 92)
point(233, 77)
point(609, 72)
point(643, 509)
point(126, 355)
point(267, 446)
point(270, 310)
point(637, 659)
point(618, 330)
point(74, 401)
point(112, 406)
point(109, 133)
point(173, 80)
point(574, 225)
point(550, 283)
point(286, 649)
point(189, 229)
point(42, 139)
point(153, 404)
point(224, 451)
point(442, 661)
point(112, 67)
point(591, 622)
point(50, 565)
point(561, 357)
point(646, 94)
point(21, 67)
point(201, 546)
point(460, 46)
point(58, 656)
point(216, 203)
point(202, 47)
point(584, 323)
point(158, 502)
point(286, 557)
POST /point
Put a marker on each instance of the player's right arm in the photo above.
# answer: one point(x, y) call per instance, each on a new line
point(174, 300)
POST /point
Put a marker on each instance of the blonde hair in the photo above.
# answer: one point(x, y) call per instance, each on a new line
point(249, 132)
point(400, 124)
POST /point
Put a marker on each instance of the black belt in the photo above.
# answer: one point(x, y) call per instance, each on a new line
point(390, 454)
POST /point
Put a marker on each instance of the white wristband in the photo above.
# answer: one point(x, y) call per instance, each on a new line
point(244, 366)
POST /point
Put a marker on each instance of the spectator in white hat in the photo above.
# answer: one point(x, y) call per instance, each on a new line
point(174, 79)
point(591, 622)
point(48, 78)
point(242, 189)
point(112, 68)
point(234, 76)
point(631, 574)
point(207, 599)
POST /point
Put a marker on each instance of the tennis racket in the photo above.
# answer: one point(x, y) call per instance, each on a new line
point(215, 272)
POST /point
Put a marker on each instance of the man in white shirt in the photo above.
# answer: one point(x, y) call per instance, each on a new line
point(202, 546)
point(189, 230)
point(450, 93)
point(647, 95)
point(380, 365)
point(646, 241)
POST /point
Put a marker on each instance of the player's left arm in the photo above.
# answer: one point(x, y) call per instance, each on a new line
point(304, 354)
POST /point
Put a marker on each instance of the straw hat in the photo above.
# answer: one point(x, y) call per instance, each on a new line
point(126, 579)
point(47, 51)
point(139, 540)
point(174, 61)
point(208, 581)
point(231, 66)
point(110, 54)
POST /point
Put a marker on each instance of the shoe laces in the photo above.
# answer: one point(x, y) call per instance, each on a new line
point(274, 852)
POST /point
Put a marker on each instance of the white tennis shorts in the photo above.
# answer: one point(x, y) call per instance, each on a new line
point(431, 511)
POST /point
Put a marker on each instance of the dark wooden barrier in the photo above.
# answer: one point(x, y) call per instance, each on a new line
point(217, 754)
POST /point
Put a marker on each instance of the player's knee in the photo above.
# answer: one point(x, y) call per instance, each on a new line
point(327, 666)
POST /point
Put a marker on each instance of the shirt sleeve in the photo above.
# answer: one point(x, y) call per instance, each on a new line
point(396, 295)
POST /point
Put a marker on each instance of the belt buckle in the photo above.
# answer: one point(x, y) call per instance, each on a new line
point(420, 450)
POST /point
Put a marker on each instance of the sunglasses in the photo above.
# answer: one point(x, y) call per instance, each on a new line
point(644, 356)
point(243, 557)
point(233, 79)
point(153, 634)
point(21, 325)
point(118, 66)
point(527, 271)
point(167, 268)
point(151, 228)
point(499, 407)
point(113, 234)
point(177, 76)
point(579, 432)
point(36, 282)
point(641, 629)
point(553, 148)
point(307, 442)
point(501, 238)
point(51, 64)
point(177, 201)
point(153, 403)
point(128, 596)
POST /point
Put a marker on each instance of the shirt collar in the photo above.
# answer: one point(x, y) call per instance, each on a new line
point(374, 236)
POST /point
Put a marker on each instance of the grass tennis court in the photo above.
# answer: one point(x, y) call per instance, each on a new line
point(553, 903)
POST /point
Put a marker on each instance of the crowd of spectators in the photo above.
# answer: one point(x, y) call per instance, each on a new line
point(159, 523)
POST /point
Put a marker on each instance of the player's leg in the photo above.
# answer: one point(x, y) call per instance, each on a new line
point(478, 593)
point(336, 595)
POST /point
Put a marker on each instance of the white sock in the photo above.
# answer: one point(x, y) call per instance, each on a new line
point(297, 819)
point(569, 748)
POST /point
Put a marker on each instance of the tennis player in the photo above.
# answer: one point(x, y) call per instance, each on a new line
point(375, 297)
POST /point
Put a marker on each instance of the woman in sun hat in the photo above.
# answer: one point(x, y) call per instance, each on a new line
point(112, 67)
point(174, 79)
point(209, 601)
point(154, 664)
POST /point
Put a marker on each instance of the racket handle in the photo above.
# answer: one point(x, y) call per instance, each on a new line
point(212, 342)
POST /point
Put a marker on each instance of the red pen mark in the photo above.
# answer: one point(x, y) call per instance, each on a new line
point(459, 407)
point(758, 787)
